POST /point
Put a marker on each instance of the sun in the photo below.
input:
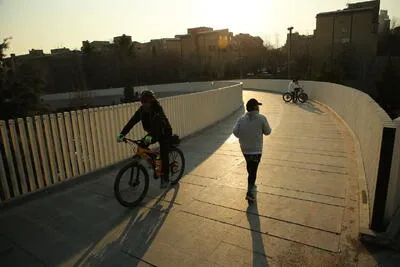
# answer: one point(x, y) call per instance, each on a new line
point(238, 16)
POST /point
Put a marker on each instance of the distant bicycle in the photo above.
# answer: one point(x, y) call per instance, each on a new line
point(297, 95)
point(132, 181)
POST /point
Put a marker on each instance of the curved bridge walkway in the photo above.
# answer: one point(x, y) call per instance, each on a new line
point(306, 213)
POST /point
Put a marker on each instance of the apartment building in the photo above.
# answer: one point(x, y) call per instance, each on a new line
point(210, 49)
point(354, 27)
point(166, 45)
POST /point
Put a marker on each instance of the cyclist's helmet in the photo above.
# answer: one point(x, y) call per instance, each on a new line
point(147, 95)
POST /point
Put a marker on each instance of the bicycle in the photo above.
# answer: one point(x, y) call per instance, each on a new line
point(138, 184)
point(297, 95)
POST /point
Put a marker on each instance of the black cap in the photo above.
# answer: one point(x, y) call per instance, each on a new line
point(147, 95)
point(252, 103)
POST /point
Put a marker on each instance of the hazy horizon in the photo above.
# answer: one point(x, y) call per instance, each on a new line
point(48, 24)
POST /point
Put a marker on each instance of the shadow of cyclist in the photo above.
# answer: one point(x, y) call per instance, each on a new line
point(135, 232)
point(310, 107)
point(135, 236)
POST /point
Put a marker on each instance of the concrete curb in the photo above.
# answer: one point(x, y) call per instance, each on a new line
point(364, 216)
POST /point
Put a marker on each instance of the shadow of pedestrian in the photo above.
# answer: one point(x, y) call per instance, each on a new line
point(259, 254)
point(310, 107)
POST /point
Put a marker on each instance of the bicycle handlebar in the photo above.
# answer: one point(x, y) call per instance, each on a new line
point(128, 140)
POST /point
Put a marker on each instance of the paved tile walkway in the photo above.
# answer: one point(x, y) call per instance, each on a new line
point(306, 213)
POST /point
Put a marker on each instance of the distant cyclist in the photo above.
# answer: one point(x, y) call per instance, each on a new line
point(294, 86)
point(158, 129)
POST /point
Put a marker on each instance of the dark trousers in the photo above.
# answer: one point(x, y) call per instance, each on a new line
point(252, 162)
point(164, 154)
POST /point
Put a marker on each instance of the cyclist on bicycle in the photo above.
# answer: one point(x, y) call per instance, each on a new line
point(158, 129)
point(294, 86)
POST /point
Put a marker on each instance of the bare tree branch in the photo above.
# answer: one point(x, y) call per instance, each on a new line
point(4, 46)
point(268, 45)
point(277, 43)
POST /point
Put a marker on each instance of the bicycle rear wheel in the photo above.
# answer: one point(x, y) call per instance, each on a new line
point(131, 184)
point(287, 97)
point(176, 165)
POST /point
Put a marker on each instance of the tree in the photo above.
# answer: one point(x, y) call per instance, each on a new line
point(87, 48)
point(125, 55)
point(276, 59)
point(3, 47)
point(341, 67)
point(88, 66)
point(129, 94)
point(328, 75)
point(301, 63)
point(20, 89)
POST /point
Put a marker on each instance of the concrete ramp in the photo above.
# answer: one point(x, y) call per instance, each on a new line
point(306, 212)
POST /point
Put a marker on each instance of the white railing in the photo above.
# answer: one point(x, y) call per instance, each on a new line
point(45, 150)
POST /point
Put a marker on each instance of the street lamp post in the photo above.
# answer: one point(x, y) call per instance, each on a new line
point(290, 29)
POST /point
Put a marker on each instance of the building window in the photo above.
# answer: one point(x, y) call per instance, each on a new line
point(345, 40)
point(220, 37)
point(226, 38)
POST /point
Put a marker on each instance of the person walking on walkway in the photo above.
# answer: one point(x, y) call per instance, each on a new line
point(250, 129)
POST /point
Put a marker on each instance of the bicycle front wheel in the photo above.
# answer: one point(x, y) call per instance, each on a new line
point(131, 184)
point(303, 97)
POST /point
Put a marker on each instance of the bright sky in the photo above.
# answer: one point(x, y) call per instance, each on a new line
point(46, 24)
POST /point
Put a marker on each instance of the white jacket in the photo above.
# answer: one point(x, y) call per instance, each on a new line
point(250, 130)
point(293, 85)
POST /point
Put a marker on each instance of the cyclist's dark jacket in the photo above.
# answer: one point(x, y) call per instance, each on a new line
point(154, 122)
